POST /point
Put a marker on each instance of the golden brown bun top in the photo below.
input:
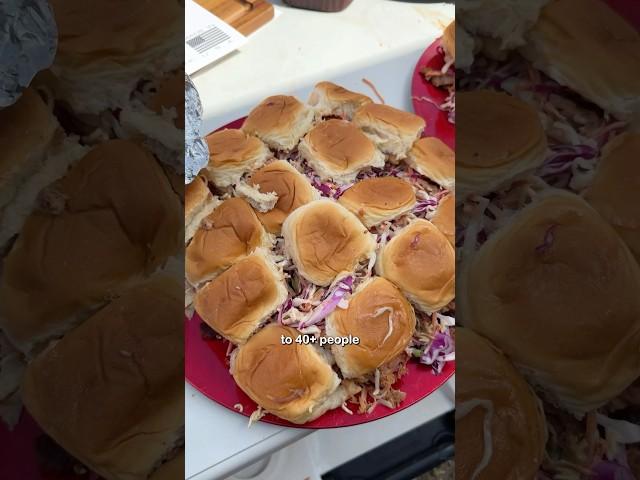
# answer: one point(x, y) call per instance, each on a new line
point(372, 309)
point(614, 189)
point(113, 216)
point(445, 218)
point(231, 147)
point(433, 155)
point(280, 377)
point(273, 113)
point(336, 93)
point(494, 129)
point(449, 40)
point(577, 284)
point(195, 193)
point(25, 127)
point(110, 392)
point(244, 288)
point(113, 28)
point(328, 238)
point(340, 144)
point(403, 121)
point(170, 94)
point(230, 232)
point(292, 188)
point(489, 389)
point(420, 259)
point(584, 43)
point(379, 194)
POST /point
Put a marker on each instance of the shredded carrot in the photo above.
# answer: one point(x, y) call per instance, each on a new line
point(375, 90)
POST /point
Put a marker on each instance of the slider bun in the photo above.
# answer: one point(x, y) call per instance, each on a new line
point(242, 298)
point(232, 153)
point(614, 190)
point(111, 392)
point(279, 121)
point(500, 138)
point(588, 47)
point(111, 220)
point(35, 153)
point(445, 218)
point(421, 262)
point(500, 427)
point(292, 188)
point(384, 321)
point(561, 274)
point(449, 41)
point(106, 47)
point(375, 200)
point(330, 99)
point(504, 22)
point(294, 382)
point(338, 150)
point(26, 129)
point(199, 202)
point(225, 236)
point(324, 240)
point(435, 160)
point(393, 131)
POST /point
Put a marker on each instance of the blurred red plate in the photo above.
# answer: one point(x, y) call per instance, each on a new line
point(426, 98)
point(206, 368)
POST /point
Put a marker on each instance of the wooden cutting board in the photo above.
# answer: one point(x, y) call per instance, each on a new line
point(246, 16)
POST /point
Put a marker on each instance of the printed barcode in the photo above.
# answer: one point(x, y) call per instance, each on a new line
point(206, 40)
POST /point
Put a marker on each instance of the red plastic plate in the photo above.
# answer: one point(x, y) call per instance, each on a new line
point(426, 98)
point(207, 369)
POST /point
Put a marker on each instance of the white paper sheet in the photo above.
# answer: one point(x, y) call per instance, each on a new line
point(207, 38)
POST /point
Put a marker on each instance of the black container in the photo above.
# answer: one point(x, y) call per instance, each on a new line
point(320, 5)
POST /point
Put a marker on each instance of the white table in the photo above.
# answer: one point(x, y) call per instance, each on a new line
point(375, 39)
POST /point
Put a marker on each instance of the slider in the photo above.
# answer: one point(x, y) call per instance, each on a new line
point(36, 152)
point(586, 46)
point(383, 320)
point(93, 78)
point(294, 382)
point(232, 153)
point(223, 237)
point(556, 289)
point(111, 392)
point(615, 188)
point(324, 240)
point(421, 262)
point(501, 430)
point(444, 218)
point(338, 150)
point(199, 202)
point(111, 220)
point(499, 139)
point(393, 131)
point(291, 187)
point(279, 121)
point(376, 200)
point(435, 160)
point(329, 99)
point(237, 302)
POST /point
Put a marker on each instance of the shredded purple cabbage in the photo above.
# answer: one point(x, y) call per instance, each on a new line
point(322, 311)
point(608, 470)
point(440, 351)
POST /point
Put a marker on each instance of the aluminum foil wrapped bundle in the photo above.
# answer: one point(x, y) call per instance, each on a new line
point(196, 150)
point(29, 39)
